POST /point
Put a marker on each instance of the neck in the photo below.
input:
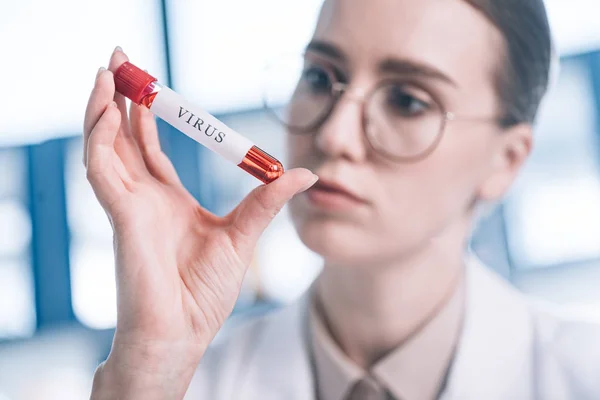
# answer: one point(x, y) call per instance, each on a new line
point(371, 310)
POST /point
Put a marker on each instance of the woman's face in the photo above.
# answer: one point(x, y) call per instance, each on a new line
point(433, 49)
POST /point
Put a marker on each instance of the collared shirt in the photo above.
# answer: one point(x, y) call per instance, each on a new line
point(416, 370)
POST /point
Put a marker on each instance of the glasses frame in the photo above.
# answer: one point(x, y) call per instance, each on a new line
point(339, 89)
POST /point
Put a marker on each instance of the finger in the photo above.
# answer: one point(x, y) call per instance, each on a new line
point(125, 144)
point(100, 97)
point(116, 59)
point(102, 171)
point(144, 129)
point(145, 132)
point(258, 209)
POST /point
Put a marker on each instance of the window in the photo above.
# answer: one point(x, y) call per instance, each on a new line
point(59, 67)
point(574, 25)
point(553, 214)
point(212, 66)
point(17, 308)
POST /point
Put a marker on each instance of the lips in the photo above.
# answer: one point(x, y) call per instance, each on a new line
point(334, 196)
point(336, 188)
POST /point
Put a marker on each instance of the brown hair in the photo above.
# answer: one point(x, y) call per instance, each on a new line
point(524, 78)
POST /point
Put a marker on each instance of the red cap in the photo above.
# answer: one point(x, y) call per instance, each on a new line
point(132, 82)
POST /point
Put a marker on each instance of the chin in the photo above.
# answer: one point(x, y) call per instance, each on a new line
point(338, 241)
point(328, 241)
point(352, 239)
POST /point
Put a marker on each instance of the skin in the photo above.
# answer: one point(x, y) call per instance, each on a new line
point(408, 235)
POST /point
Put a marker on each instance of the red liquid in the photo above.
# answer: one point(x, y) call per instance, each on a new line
point(148, 100)
point(261, 165)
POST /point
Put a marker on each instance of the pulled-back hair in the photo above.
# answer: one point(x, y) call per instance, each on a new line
point(524, 77)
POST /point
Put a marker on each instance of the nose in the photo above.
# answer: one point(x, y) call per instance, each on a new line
point(341, 135)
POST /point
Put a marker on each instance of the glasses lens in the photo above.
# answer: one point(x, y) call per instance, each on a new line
point(298, 92)
point(400, 124)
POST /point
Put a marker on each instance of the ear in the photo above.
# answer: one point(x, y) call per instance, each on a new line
point(510, 153)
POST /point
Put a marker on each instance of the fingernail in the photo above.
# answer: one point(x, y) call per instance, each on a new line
point(100, 71)
point(119, 49)
point(314, 180)
point(113, 104)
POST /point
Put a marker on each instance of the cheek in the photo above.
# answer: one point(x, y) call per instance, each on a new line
point(422, 199)
point(300, 150)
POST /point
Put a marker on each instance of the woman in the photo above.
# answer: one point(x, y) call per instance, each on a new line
point(412, 113)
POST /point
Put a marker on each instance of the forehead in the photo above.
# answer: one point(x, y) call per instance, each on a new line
point(451, 35)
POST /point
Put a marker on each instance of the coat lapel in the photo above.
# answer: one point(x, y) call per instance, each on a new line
point(495, 355)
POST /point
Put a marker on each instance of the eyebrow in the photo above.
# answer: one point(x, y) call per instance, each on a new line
point(407, 67)
point(390, 65)
point(327, 49)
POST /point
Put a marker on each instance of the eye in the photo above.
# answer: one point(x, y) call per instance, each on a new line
point(403, 103)
point(317, 79)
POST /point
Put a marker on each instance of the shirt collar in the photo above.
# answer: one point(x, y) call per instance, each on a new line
point(415, 370)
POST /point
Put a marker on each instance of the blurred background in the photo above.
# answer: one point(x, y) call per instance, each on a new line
point(57, 294)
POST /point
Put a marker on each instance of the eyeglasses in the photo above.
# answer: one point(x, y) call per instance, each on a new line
point(302, 93)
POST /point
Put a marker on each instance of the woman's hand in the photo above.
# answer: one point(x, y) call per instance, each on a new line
point(179, 268)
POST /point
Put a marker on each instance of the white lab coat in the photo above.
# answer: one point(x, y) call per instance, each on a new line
point(509, 349)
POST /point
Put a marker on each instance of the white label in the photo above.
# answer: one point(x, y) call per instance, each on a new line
point(200, 125)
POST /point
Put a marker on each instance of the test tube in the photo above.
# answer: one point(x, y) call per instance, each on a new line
point(145, 90)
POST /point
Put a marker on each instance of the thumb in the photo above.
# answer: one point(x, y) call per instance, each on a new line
point(258, 209)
